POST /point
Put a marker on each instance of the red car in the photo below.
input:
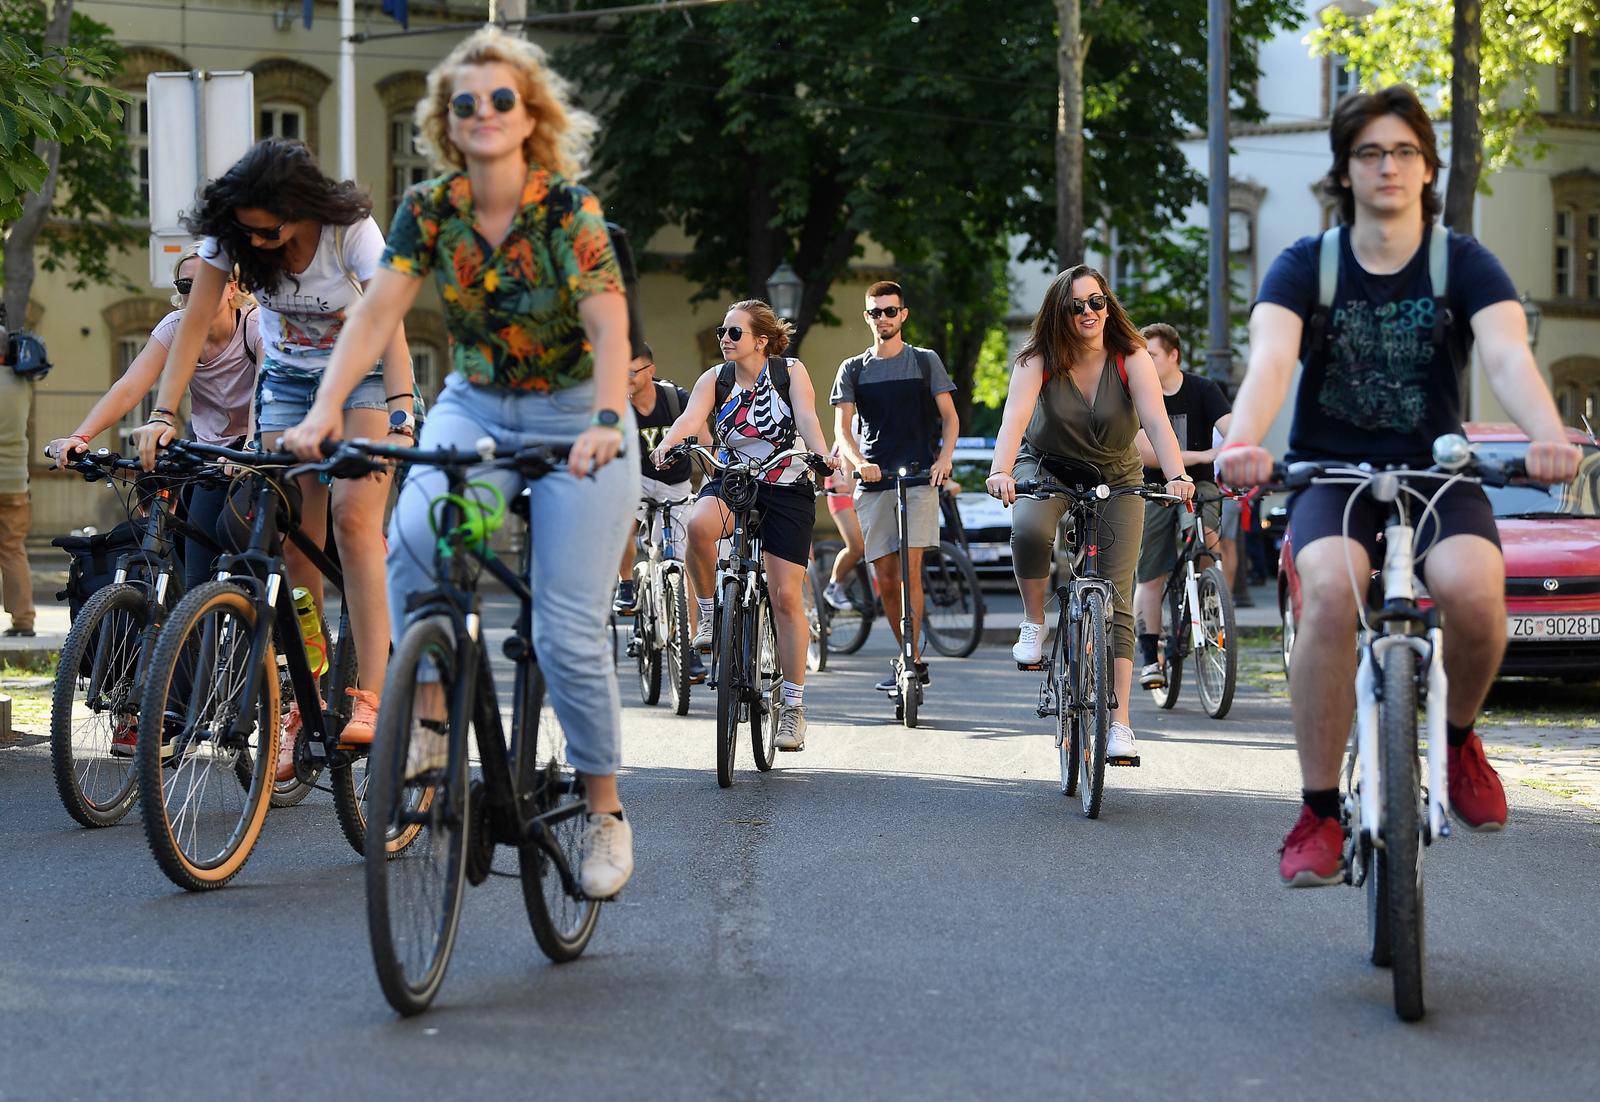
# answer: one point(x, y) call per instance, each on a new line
point(1551, 540)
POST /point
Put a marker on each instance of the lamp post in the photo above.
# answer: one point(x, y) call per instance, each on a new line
point(784, 291)
point(1534, 315)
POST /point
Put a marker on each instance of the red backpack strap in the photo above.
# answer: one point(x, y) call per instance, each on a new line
point(1122, 373)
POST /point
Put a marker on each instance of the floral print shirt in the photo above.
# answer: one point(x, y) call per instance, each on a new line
point(512, 311)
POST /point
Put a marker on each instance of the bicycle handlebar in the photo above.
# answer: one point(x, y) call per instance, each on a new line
point(1040, 489)
point(544, 457)
point(694, 449)
point(1300, 474)
point(912, 475)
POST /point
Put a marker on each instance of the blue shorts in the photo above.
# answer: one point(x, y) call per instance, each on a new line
point(283, 400)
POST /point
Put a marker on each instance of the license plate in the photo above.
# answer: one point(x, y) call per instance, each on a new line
point(1553, 626)
point(985, 552)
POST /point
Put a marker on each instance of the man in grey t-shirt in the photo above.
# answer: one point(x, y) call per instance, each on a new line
point(892, 409)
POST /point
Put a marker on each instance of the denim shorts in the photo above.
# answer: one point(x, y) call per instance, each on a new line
point(283, 400)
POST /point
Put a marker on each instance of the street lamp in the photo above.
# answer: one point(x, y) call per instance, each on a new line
point(784, 288)
point(1531, 311)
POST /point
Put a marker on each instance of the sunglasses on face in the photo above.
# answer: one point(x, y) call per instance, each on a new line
point(465, 104)
point(269, 233)
point(183, 286)
point(884, 312)
point(1096, 303)
point(734, 333)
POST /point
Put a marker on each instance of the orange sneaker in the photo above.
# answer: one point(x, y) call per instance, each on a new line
point(363, 718)
point(291, 735)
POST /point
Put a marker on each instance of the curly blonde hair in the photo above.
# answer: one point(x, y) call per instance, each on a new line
point(241, 298)
point(562, 132)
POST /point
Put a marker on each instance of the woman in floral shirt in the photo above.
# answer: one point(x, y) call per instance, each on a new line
point(539, 342)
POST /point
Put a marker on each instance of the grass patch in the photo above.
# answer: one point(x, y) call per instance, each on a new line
point(1565, 791)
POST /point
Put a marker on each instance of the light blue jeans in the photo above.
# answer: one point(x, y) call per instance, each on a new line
point(577, 531)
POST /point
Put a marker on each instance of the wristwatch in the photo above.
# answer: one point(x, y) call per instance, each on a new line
point(1184, 477)
point(608, 419)
point(402, 422)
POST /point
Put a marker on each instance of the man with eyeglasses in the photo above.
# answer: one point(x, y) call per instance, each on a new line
point(1383, 334)
point(891, 404)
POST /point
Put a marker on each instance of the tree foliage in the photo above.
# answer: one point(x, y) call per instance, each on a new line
point(1410, 42)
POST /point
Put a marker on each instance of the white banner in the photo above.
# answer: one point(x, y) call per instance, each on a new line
point(201, 122)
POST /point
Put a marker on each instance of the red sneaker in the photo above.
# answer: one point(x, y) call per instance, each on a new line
point(363, 718)
point(1312, 856)
point(125, 739)
point(1476, 794)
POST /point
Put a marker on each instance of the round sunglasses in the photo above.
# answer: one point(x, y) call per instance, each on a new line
point(1096, 303)
point(465, 104)
point(734, 333)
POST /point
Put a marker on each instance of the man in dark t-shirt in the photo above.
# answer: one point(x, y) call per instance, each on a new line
point(1380, 381)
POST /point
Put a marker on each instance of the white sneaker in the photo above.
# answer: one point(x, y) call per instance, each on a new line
point(429, 748)
point(702, 635)
point(607, 849)
point(1120, 743)
point(1029, 649)
point(791, 728)
point(836, 596)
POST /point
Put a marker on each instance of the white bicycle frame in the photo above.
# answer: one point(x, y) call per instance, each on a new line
point(657, 563)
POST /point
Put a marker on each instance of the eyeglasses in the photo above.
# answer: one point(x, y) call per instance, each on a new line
point(266, 234)
point(635, 372)
point(734, 333)
point(884, 312)
point(183, 286)
point(465, 104)
point(1096, 303)
point(1405, 155)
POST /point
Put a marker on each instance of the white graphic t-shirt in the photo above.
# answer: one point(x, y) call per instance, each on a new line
point(301, 320)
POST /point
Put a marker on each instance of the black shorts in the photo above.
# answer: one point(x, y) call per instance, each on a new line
point(787, 516)
point(1462, 510)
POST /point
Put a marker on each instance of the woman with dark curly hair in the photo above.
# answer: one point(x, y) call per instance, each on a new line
point(306, 246)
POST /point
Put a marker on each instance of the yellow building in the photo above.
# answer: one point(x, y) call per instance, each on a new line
point(93, 334)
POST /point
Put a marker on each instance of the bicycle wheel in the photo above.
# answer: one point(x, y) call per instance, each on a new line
point(646, 630)
point(848, 628)
point(816, 610)
point(1172, 648)
point(769, 687)
point(675, 627)
point(200, 822)
point(1400, 860)
point(910, 700)
point(1066, 729)
point(414, 896)
point(952, 604)
point(562, 918)
point(1377, 905)
point(730, 671)
point(352, 782)
point(96, 699)
point(1095, 673)
point(1216, 666)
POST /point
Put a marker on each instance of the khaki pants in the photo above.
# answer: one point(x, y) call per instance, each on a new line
point(16, 584)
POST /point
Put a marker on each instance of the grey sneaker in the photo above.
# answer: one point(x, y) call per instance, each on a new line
point(836, 596)
point(429, 748)
point(607, 856)
point(702, 636)
point(1151, 677)
point(792, 728)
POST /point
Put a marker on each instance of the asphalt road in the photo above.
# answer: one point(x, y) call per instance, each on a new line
point(889, 914)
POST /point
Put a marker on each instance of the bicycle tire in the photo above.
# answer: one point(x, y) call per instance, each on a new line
point(675, 624)
point(1166, 697)
point(1066, 730)
point(816, 610)
point(952, 603)
point(562, 924)
point(909, 700)
point(728, 675)
point(1400, 859)
point(848, 628)
point(352, 782)
point(216, 684)
point(1095, 669)
point(103, 646)
point(1216, 666)
point(1377, 905)
point(645, 632)
point(769, 687)
point(426, 648)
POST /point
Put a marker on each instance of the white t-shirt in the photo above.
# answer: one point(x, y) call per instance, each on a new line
point(299, 324)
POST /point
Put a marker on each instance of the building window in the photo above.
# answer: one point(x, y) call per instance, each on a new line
point(1564, 250)
point(128, 349)
point(281, 120)
point(427, 371)
point(136, 120)
point(1578, 79)
point(406, 165)
point(1576, 384)
point(1343, 79)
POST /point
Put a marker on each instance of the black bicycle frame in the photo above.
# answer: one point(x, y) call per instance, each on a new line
point(743, 560)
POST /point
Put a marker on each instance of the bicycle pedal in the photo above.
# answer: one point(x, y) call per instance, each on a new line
point(1035, 668)
point(1127, 763)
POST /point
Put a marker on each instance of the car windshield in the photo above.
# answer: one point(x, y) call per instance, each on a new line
point(1578, 498)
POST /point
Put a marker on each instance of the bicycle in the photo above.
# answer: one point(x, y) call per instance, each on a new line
point(660, 638)
point(952, 603)
point(848, 628)
point(1200, 620)
point(1389, 814)
point(744, 666)
point(209, 714)
point(525, 796)
point(1077, 688)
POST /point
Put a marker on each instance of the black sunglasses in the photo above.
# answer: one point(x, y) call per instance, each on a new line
point(734, 333)
point(884, 312)
point(1096, 303)
point(183, 286)
point(271, 234)
point(465, 104)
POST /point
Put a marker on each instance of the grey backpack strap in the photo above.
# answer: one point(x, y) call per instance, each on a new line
point(1328, 267)
point(1439, 260)
point(670, 395)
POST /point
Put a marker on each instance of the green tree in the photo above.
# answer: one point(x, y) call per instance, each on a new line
point(1411, 42)
point(65, 192)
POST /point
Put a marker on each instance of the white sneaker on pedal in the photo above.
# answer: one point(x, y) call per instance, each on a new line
point(1151, 677)
point(1029, 649)
point(702, 635)
point(1120, 743)
point(836, 596)
point(791, 728)
point(607, 856)
point(429, 748)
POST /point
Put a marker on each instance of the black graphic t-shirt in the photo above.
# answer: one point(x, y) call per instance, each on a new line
point(1194, 411)
point(1383, 391)
point(652, 427)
